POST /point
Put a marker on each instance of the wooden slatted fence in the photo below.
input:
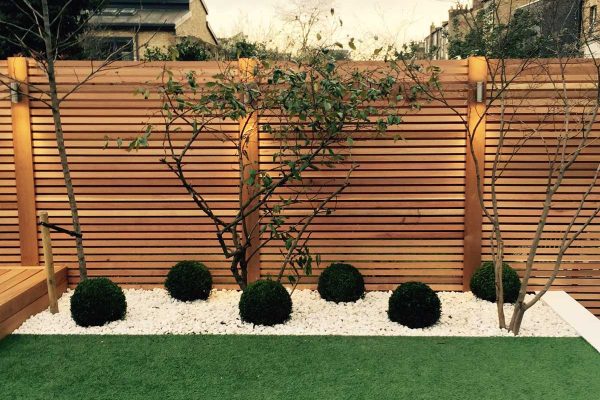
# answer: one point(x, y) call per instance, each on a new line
point(536, 103)
point(9, 218)
point(403, 217)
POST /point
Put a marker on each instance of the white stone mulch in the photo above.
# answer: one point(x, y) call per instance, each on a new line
point(153, 312)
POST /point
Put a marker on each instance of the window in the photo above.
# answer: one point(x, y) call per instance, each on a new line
point(110, 11)
point(114, 12)
point(593, 18)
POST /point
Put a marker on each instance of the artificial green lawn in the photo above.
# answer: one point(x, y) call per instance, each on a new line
point(293, 367)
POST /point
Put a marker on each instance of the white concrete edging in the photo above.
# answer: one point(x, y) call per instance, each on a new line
point(576, 315)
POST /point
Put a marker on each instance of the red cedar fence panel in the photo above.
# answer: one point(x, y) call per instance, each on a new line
point(402, 218)
point(536, 103)
point(136, 218)
point(10, 253)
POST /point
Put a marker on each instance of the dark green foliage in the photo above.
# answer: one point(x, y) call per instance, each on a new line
point(243, 48)
point(265, 302)
point(189, 281)
point(16, 15)
point(341, 283)
point(483, 282)
point(519, 38)
point(234, 48)
point(415, 305)
point(96, 302)
point(191, 49)
point(186, 49)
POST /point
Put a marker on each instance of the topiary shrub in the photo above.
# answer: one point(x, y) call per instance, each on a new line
point(265, 302)
point(96, 302)
point(483, 282)
point(415, 305)
point(189, 281)
point(341, 283)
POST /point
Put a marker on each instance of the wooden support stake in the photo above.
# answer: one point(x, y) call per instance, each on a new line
point(49, 263)
point(22, 147)
point(248, 128)
point(477, 129)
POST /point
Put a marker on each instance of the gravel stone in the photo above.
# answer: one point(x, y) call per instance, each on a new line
point(154, 312)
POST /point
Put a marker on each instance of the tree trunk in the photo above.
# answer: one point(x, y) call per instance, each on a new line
point(499, 290)
point(237, 263)
point(60, 141)
point(518, 313)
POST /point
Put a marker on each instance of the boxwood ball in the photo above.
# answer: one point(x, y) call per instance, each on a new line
point(96, 302)
point(483, 282)
point(265, 302)
point(415, 305)
point(189, 281)
point(341, 283)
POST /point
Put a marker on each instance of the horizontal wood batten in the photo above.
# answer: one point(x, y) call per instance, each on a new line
point(402, 218)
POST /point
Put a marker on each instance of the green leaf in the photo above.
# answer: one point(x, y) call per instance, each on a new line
point(288, 243)
point(252, 178)
point(350, 141)
point(351, 44)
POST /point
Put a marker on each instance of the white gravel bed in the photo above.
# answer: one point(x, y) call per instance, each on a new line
point(154, 312)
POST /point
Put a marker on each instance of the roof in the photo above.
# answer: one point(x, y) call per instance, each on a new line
point(144, 19)
point(146, 15)
point(169, 4)
point(212, 33)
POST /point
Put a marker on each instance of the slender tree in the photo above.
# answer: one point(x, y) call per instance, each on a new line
point(562, 124)
point(48, 32)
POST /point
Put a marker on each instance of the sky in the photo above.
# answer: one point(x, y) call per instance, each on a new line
point(374, 22)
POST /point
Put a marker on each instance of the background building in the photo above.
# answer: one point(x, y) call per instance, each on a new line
point(436, 44)
point(560, 19)
point(590, 29)
point(573, 21)
point(130, 26)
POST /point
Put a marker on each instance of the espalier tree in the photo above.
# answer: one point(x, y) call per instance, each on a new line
point(314, 110)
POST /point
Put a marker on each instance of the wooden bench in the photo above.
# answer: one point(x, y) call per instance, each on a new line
point(24, 292)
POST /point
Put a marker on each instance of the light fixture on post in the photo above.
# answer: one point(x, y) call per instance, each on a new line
point(15, 94)
point(479, 92)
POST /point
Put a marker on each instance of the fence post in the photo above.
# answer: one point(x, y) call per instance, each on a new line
point(248, 128)
point(477, 128)
point(49, 263)
point(23, 155)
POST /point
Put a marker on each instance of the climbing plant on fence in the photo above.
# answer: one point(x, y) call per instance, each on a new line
point(312, 109)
